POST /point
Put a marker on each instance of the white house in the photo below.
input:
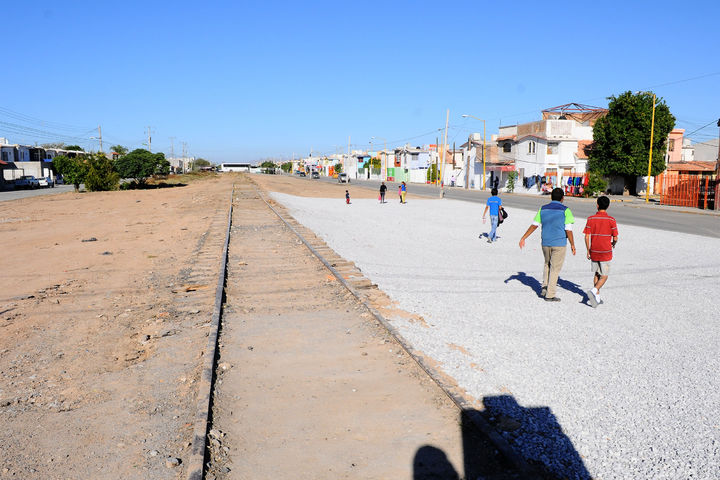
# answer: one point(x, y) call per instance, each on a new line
point(553, 147)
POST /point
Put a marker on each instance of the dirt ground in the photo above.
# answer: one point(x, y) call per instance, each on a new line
point(104, 315)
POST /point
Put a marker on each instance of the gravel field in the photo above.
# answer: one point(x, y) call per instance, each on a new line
point(628, 390)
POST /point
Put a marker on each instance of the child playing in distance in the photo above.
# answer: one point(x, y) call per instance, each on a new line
point(347, 197)
point(599, 230)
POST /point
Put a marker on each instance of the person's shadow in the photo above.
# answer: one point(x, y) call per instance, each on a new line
point(536, 286)
point(431, 463)
point(536, 436)
point(505, 441)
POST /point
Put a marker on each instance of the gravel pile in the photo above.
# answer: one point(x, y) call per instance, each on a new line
point(628, 390)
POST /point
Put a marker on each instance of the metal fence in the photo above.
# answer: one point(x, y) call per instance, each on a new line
point(687, 190)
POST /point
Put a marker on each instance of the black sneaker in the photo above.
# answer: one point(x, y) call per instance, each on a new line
point(552, 299)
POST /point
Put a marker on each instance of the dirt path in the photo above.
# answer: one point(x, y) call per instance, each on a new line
point(102, 318)
point(309, 384)
point(104, 313)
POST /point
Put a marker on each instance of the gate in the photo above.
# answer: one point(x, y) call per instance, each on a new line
point(686, 190)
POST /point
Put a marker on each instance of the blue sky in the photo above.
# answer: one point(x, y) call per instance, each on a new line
point(241, 81)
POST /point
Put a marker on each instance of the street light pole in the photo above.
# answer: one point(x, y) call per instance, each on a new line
point(652, 134)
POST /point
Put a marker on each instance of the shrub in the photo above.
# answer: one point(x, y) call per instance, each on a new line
point(596, 184)
point(101, 175)
point(512, 176)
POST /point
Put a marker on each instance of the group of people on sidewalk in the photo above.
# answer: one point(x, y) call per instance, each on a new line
point(402, 191)
point(556, 220)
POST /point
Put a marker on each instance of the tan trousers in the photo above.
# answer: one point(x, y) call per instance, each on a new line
point(554, 259)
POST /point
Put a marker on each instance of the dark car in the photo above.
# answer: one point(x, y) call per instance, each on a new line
point(315, 175)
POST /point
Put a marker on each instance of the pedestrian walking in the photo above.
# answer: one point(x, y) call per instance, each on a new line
point(383, 189)
point(400, 192)
point(601, 236)
point(403, 192)
point(556, 220)
point(493, 204)
point(347, 197)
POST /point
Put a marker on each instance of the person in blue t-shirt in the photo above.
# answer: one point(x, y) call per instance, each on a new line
point(493, 204)
point(556, 220)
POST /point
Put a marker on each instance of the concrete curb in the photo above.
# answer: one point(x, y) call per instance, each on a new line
point(196, 462)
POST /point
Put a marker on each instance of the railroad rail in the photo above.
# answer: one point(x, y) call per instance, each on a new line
point(355, 283)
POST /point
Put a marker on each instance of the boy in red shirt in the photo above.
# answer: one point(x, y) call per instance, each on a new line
point(601, 235)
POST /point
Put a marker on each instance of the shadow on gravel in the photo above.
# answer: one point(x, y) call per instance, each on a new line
point(535, 434)
point(526, 280)
point(536, 286)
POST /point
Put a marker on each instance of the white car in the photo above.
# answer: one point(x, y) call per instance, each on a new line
point(343, 178)
point(46, 182)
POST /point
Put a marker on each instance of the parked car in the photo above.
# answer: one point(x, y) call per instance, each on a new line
point(46, 182)
point(27, 181)
point(315, 175)
point(343, 178)
point(302, 174)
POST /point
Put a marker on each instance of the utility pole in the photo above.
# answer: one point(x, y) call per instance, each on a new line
point(172, 147)
point(444, 152)
point(149, 139)
point(717, 174)
point(100, 137)
point(184, 152)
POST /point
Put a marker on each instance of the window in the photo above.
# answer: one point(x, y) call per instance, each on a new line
point(4, 156)
point(552, 148)
point(671, 145)
point(531, 147)
point(507, 147)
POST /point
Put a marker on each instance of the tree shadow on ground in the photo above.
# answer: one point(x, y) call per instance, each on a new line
point(149, 186)
point(536, 286)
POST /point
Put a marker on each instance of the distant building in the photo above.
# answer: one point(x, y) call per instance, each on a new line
point(551, 148)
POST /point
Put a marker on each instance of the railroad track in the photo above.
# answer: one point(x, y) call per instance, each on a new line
point(366, 293)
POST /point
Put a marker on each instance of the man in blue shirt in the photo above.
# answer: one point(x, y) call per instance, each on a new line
point(493, 204)
point(556, 220)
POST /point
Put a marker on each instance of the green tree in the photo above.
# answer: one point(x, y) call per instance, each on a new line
point(432, 173)
point(119, 149)
point(621, 139)
point(73, 147)
point(286, 167)
point(512, 176)
point(141, 164)
point(200, 163)
point(338, 168)
point(267, 164)
point(73, 170)
point(101, 174)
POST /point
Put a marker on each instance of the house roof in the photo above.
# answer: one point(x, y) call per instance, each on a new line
point(506, 137)
point(692, 166)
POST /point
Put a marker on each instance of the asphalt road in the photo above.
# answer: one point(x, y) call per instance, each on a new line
point(626, 210)
point(17, 194)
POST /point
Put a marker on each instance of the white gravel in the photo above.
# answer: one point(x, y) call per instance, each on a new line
point(628, 390)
